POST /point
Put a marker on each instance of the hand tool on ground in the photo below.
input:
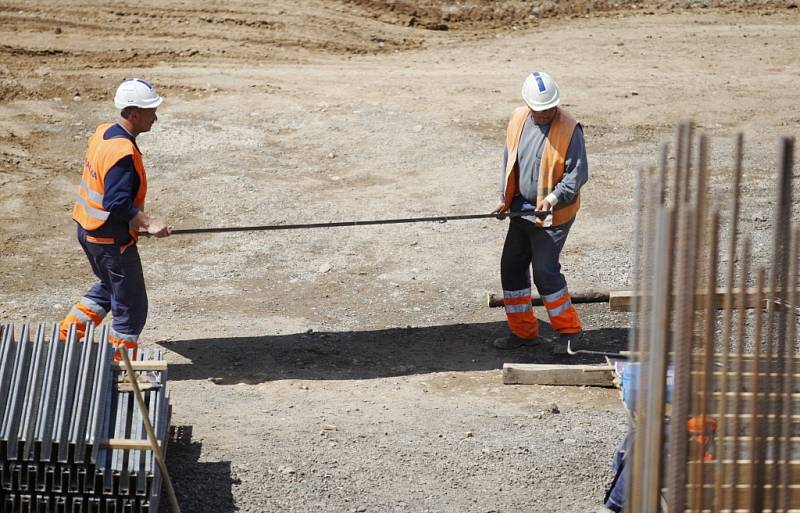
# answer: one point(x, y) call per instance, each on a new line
point(541, 214)
point(616, 356)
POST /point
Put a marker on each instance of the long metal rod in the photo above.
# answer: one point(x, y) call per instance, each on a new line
point(740, 352)
point(656, 369)
point(783, 228)
point(634, 480)
point(709, 326)
point(756, 495)
point(728, 309)
point(786, 430)
point(305, 226)
point(682, 384)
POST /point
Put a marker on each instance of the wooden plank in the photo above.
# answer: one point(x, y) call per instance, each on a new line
point(127, 444)
point(589, 296)
point(147, 365)
point(565, 375)
point(125, 386)
point(743, 475)
point(620, 300)
point(739, 496)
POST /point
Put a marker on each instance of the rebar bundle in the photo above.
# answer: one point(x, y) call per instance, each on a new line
point(71, 437)
point(716, 424)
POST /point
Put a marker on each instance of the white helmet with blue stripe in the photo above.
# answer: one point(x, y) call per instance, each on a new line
point(135, 92)
point(540, 91)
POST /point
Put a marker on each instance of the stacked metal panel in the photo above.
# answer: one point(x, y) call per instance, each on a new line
point(60, 404)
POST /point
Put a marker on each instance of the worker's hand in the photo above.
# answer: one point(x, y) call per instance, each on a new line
point(544, 206)
point(158, 229)
point(499, 210)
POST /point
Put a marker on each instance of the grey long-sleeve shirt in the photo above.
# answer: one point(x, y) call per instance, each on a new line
point(529, 156)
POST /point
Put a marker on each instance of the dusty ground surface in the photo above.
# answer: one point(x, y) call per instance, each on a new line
point(349, 369)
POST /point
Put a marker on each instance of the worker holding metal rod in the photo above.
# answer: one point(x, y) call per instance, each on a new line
point(544, 167)
point(109, 212)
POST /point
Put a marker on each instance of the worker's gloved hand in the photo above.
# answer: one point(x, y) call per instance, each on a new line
point(500, 209)
point(545, 206)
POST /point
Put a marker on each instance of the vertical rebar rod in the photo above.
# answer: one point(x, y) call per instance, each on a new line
point(686, 163)
point(788, 376)
point(709, 317)
point(782, 250)
point(642, 181)
point(635, 489)
point(726, 319)
point(756, 430)
point(697, 254)
point(737, 384)
point(682, 382)
point(656, 369)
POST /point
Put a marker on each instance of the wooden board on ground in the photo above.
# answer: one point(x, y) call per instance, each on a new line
point(620, 300)
point(145, 365)
point(564, 375)
point(127, 444)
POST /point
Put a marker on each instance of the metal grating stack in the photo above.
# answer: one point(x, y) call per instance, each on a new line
point(69, 423)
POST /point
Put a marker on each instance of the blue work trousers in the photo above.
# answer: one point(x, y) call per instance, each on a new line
point(528, 245)
point(121, 289)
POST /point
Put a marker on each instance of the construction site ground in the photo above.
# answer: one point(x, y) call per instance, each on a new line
point(350, 369)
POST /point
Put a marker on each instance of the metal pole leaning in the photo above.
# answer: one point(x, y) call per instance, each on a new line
point(151, 434)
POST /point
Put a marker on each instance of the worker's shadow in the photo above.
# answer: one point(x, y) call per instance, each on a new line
point(372, 354)
point(199, 486)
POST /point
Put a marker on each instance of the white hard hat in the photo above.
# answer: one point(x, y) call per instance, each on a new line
point(135, 92)
point(540, 91)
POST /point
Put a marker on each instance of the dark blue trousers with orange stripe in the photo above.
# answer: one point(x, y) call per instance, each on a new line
point(526, 246)
point(121, 291)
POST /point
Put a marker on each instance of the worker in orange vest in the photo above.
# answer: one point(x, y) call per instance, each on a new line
point(544, 169)
point(109, 212)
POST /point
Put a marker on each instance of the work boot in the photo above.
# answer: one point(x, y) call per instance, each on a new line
point(511, 342)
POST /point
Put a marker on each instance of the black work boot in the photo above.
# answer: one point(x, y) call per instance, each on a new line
point(511, 342)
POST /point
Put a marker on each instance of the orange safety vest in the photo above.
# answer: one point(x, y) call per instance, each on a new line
point(101, 156)
point(551, 167)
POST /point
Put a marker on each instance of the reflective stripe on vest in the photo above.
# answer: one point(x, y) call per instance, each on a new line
point(96, 197)
point(551, 166)
point(101, 156)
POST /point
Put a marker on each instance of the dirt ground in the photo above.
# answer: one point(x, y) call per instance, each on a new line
point(349, 369)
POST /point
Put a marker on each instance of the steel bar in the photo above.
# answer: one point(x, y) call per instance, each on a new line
point(740, 340)
point(708, 348)
point(677, 472)
point(657, 368)
point(789, 407)
point(728, 302)
point(371, 222)
point(637, 465)
point(756, 454)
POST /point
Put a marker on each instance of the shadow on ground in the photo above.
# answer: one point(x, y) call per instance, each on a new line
point(189, 476)
point(372, 354)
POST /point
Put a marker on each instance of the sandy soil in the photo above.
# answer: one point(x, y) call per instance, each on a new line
point(349, 369)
